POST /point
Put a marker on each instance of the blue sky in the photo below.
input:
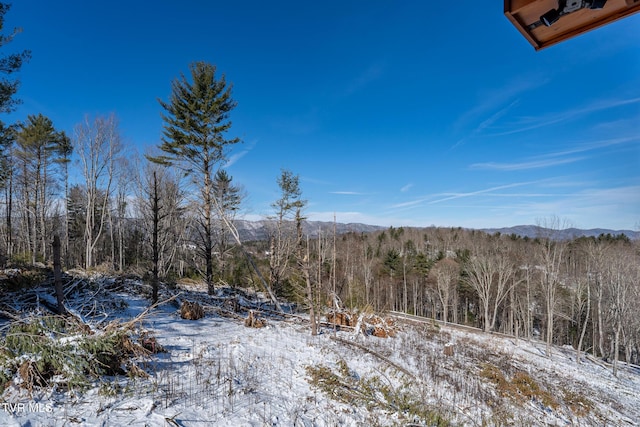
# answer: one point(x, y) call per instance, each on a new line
point(392, 113)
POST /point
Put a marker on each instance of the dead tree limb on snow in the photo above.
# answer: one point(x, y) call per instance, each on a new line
point(144, 314)
point(9, 313)
point(378, 355)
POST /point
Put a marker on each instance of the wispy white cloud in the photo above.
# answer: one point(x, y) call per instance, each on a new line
point(568, 182)
point(406, 188)
point(595, 145)
point(534, 164)
point(485, 124)
point(494, 104)
point(492, 99)
point(613, 207)
point(535, 122)
point(311, 180)
point(234, 157)
point(411, 203)
point(491, 120)
point(555, 158)
point(347, 193)
point(454, 196)
point(626, 123)
point(441, 197)
point(610, 207)
point(372, 73)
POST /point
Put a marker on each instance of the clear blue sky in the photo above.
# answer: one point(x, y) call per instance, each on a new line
point(411, 113)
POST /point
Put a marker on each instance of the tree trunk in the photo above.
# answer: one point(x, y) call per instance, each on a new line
point(487, 323)
point(43, 210)
point(156, 224)
point(305, 261)
point(549, 331)
point(57, 275)
point(600, 325)
point(584, 326)
point(207, 225)
point(66, 222)
point(88, 228)
point(9, 198)
point(616, 348)
point(112, 239)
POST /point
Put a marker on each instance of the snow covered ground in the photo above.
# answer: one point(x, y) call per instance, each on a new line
point(218, 372)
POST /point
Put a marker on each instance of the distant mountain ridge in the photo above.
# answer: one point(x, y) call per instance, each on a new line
point(259, 230)
point(533, 231)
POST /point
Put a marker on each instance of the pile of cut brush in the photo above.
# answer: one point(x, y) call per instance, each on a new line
point(62, 353)
point(40, 349)
point(365, 322)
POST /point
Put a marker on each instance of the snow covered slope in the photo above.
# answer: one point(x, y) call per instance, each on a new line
point(217, 372)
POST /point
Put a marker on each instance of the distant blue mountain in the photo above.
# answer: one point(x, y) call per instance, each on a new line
point(259, 230)
point(533, 231)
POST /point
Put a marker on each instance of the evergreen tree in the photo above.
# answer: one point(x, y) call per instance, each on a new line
point(283, 238)
point(39, 147)
point(7, 138)
point(196, 121)
point(8, 65)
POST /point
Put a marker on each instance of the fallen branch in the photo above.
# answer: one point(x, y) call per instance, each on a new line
point(378, 355)
point(598, 362)
point(139, 317)
point(71, 288)
point(332, 326)
point(9, 315)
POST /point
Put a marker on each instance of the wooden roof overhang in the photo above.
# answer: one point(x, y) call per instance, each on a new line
point(570, 17)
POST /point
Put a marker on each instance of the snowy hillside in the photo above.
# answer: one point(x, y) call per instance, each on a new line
point(217, 371)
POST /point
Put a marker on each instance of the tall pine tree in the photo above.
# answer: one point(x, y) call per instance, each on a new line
point(39, 146)
point(8, 65)
point(196, 121)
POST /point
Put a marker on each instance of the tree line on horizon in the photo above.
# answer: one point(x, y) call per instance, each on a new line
point(171, 214)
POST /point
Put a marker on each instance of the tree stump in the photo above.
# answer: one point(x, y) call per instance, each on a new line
point(449, 349)
point(252, 321)
point(191, 311)
point(379, 332)
point(339, 318)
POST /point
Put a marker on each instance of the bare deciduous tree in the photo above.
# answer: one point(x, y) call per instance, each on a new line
point(228, 197)
point(621, 272)
point(490, 273)
point(98, 145)
point(160, 203)
point(446, 273)
point(551, 252)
